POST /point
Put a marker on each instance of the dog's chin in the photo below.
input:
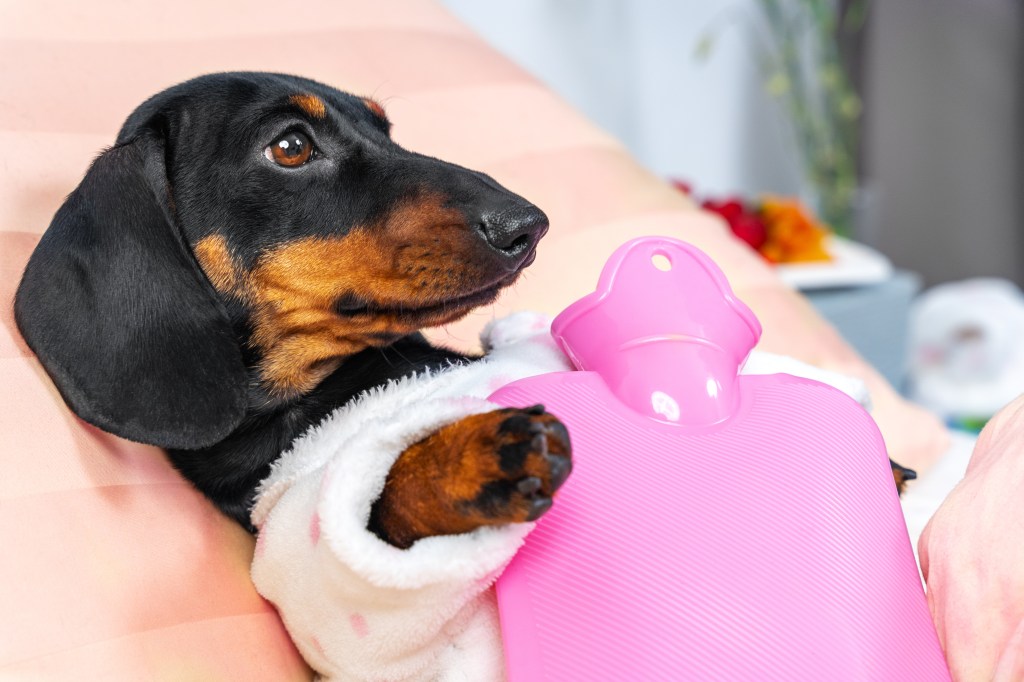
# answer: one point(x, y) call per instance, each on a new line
point(455, 308)
point(411, 316)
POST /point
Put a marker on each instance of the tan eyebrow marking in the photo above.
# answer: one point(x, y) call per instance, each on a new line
point(375, 107)
point(311, 104)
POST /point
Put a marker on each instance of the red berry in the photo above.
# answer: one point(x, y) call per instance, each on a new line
point(732, 210)
point(750, 229)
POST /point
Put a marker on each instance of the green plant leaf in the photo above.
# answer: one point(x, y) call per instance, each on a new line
point(706, 43)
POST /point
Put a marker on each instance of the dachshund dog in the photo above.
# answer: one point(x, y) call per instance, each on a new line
point(254, 252)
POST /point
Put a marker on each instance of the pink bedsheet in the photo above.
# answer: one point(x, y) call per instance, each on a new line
point(113, 568)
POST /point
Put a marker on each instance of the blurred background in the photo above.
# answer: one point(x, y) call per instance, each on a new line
point(941, 132)
point(913, 110)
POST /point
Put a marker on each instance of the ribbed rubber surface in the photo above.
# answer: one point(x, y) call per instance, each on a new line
point(773, 548)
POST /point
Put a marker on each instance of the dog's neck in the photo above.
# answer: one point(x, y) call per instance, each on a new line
point(350, 376)
point(236, 465)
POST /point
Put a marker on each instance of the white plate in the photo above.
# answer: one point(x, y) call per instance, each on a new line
point(852, 264)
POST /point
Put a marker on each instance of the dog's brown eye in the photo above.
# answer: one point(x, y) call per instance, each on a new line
point(291, 149)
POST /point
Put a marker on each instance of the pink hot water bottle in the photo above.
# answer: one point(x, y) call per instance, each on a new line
point(715, 526)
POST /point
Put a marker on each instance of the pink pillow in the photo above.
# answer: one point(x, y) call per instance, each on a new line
point(113, 567)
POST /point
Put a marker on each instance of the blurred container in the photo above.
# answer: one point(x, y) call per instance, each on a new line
point(967, 353)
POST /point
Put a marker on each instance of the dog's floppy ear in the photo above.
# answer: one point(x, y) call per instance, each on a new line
point(117, 310)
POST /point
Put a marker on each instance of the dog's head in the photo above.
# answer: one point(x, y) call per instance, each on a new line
point(246, 233)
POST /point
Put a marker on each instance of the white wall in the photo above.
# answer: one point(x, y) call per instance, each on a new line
point(630, 67)
point(944, 111)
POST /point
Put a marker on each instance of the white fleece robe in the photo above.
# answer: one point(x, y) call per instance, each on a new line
point(360, 610)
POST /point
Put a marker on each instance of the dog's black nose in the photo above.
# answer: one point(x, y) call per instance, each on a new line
point(514, 232)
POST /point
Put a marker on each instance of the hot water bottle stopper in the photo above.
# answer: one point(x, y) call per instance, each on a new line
point(716, 526)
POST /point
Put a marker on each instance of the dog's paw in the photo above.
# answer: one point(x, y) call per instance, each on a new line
point(487, 469)
point(532, 454)
point(901, 475)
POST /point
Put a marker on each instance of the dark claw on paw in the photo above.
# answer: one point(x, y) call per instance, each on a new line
point(538, 507)
point(530, 485)
point(907, 474)
point(558, 431)
point(540, 443)
point(561, 467)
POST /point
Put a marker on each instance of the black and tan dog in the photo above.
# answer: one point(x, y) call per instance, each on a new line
point(255, 251)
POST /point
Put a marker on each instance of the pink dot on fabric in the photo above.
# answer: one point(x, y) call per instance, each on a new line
point(539, 323)
point(261, 542)
point(314, 528)
point(359, 625)
point(317, 645)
